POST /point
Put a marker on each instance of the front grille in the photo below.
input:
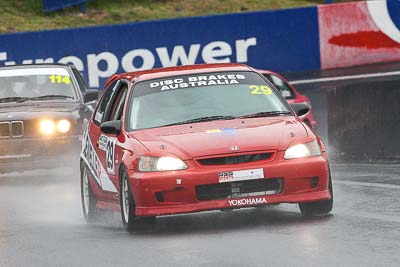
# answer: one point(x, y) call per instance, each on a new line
point(235, 159)
point(259, 187)
point(4, 129)
point(17, 128)
point(11, 129)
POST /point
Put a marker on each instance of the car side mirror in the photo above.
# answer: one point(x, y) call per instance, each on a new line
point(90, 95)
point(111, 127)
point(300, 108)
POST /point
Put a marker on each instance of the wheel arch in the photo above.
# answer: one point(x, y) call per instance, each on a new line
point(121, 168)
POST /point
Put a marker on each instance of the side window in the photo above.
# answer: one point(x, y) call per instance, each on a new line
point(121, 105)
point(283, 87)
point(103, 104)
point(81, 82)
point(115, 107)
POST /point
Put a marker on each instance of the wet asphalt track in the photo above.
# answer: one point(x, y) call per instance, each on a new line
point(41, 225)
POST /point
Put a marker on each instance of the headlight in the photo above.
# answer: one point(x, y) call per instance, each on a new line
point(63, 126)
point(303, 150)
point(47, 127)
point(149, 164)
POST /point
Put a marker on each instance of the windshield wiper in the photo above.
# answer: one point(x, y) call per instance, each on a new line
point(266, 114)
point(12, 99)
point(203, 119)
point(45, 97)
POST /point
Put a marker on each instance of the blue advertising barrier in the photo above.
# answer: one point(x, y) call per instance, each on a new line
point(283, 40)
point(53, 5)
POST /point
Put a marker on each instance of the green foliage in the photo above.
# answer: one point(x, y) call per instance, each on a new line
point(27, 15)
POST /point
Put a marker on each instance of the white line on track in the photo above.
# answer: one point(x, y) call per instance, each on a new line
point(380, 185)
point(366, 164)
point(347, 77)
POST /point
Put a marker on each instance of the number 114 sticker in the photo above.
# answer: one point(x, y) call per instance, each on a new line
point(58, 79)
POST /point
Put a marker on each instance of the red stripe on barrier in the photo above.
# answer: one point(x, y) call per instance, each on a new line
point(349, 37)
point(366, 39)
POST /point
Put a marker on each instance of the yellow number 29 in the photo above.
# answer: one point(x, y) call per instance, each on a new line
point(260, 90)
point(58, 79)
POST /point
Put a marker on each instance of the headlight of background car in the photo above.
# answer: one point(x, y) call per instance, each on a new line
point(49, 127)
point(63, 126)
point(303, 150)
point(149, 164)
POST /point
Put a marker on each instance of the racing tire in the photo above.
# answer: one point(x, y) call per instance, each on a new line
point(130, 221)
point(90, 212)
point(318, 208)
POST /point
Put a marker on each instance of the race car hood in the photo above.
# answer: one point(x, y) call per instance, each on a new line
point(32, 110)
point(217, 137)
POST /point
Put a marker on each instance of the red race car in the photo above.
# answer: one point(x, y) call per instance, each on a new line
point(290, 94)
point(196, 138)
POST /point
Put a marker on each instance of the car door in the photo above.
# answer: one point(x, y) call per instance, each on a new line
point(106, 143)
point(98, 148)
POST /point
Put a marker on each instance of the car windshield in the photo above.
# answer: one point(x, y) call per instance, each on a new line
point(202, 97)
point(24, 84)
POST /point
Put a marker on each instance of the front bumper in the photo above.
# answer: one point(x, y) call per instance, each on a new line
point(38, 153)
point(179, 195)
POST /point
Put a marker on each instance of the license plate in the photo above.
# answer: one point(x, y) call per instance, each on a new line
point(243, 175)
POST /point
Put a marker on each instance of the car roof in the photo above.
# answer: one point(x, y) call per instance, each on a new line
point(179, 70)
point(39, 65)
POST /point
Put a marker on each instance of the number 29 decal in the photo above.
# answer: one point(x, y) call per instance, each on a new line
point(260, 90)
point(110, 154)
point(107, 144)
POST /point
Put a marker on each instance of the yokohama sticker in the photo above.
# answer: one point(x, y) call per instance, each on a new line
point(247, 201)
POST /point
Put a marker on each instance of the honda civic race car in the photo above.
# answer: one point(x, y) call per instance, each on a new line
point(291, 95)
point(42, 110)
point(197, 138)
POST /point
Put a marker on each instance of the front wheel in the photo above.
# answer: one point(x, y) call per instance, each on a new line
point(90, 212)
point(131, 222)
point(319, 207)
